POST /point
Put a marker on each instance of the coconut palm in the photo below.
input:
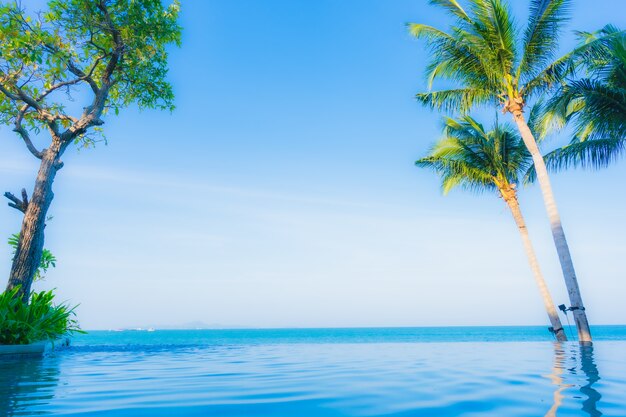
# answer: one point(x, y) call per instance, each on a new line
point(595, 106)
point(490, 61)
point(470, 157)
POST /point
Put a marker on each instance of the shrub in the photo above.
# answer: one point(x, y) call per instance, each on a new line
point(39, 320)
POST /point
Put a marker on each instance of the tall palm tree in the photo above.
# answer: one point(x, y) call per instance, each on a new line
point(490, 61)
point(470, 157)
point(594, 105)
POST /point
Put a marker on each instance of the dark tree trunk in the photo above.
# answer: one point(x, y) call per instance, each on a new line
point(30, 247)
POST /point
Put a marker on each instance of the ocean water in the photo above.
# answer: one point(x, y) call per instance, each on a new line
point(400, 372)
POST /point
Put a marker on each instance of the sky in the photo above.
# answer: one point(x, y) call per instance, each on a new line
point(281, 192)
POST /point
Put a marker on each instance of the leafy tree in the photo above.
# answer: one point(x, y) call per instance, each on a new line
point(490, 61)
point(468, 156)
point(594, 105)
point(108, 54)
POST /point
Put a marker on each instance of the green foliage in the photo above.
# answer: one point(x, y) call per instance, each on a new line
point(47, 258)
point(470, 157)
point(488, 58)
point(594, 106)
point(39, 320)
point(115, 49)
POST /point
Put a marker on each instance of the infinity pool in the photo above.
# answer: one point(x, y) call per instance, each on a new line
point(316, 377)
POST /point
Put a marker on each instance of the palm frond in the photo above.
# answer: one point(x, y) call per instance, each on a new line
point(551, 76)
point(537, 120)
point(597, 108)
point(475, 52)
point(427, 32)
point(452, 6)
point(456, 100)
point(470, 157)
point(595, 49)
point(589, 154)
point(594, 108)
point(457, 173)
point(540, 40)
point(503, 36)
point(454, 57)
point(492, 32)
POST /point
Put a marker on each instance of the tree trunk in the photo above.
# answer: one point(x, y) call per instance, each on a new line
point(510, 198)
point(30, 247)
point(569, 274)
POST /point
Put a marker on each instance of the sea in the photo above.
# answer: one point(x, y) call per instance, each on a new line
point(395, 372)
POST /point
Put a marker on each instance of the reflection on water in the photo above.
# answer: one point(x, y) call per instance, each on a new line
point(557, 379)
point(320, 380)
point(590, 370)
point(579, 362)
point(24, 382)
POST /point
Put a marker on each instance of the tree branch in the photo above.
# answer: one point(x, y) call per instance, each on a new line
point(7, 93)
point(24, 133)
point(16, 203)
point(117, 39)
point(71, 66)
point(59, 85)
point(92, 113)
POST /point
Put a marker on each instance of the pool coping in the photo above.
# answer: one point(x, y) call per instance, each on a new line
point(34, 349)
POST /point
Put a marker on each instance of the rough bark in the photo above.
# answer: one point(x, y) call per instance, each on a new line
point(510, 197)
point(565, 258)
point(30, 247)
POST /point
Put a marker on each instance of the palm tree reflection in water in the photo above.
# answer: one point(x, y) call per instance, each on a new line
point(590, 369)
point(582, 352)
point(27, 384)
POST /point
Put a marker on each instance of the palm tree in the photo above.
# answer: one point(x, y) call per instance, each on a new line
point(470, 157)
point(491, 62)
point(594, 105)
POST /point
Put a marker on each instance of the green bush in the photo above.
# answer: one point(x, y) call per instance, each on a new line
point(39, 320)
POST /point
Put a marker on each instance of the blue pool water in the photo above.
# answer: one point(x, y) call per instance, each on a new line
point(495, 371)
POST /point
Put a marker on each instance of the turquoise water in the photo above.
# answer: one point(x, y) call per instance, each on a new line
point(495, 371)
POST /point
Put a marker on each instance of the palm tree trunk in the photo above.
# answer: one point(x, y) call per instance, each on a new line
point(30, 247)
point(565, 258)
point(510, 198)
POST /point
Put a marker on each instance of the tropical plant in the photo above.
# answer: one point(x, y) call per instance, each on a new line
point(468, 156)
point(48, 260)
point(594, 106)
point(111, 53)
point(39, 320)
point(492, 62)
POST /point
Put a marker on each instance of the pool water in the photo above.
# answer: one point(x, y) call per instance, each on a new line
point(320, 372)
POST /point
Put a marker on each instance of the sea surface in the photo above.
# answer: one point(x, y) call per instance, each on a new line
point(399, 372)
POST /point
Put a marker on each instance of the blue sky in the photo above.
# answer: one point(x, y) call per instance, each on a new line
point(282, 191)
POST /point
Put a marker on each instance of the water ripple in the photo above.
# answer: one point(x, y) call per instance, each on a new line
point(300, 380)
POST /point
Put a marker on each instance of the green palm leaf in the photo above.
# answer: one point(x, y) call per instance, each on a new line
point(473, 158)
point(595, 106)
point(485, 51)
point(541, 36)
point(591, 154)
point(456, 100)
